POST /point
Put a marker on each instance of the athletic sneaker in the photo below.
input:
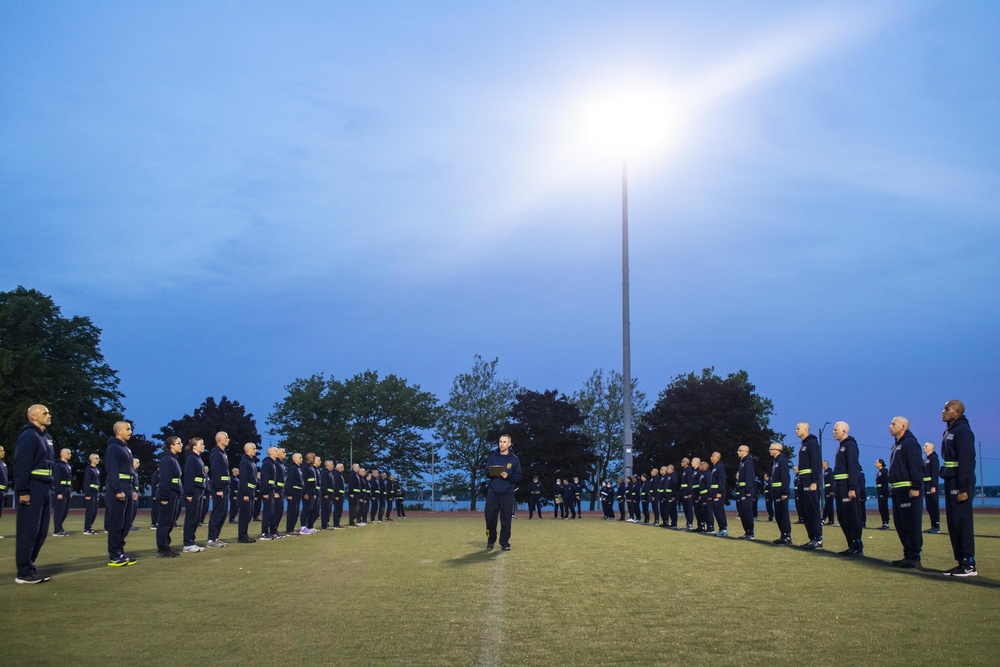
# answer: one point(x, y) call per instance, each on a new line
point(61, 533)
point(216, 544)
point(166, 554)
point(193, 549)
point(305, 531)
point(121, 561)
point(31, 579)
point(266, 537)
point(90, 532)
point(962, 571)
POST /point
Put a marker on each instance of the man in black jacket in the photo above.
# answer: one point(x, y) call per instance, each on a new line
point(959, 474)
point(168, 493)
point(33, 460)
point(535, 498)
point(219, 488)
point(120, 494)
point(906, 480)
point(746, 491)
point(811, 481)
point(778, 489)
point(849, 489)
point(932, 467)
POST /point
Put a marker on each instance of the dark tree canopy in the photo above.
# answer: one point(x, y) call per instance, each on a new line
point(698, 414)
point(148, 453)
point(544, 428)
point(378, 422)
point(477, 404)
point(49, 359)
point(210, 418)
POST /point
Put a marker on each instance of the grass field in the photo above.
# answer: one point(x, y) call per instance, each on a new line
point(425, 592)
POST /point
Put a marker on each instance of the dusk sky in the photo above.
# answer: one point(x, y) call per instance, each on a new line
point(242, 193)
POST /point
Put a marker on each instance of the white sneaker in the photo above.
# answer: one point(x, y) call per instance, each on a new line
point(216, 544)
point(193, 549)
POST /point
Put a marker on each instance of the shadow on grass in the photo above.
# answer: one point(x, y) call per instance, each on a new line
point(886, 565)
point(480, 555)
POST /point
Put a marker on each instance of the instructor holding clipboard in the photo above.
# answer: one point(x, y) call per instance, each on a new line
point(505, 472)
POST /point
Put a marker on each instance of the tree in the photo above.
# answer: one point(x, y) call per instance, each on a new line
point(478, 402)
point(147, 452)
point(698, 414)
point(379, 422)
point(602, 404)
point(46, 358)
point(544, 430)
point(210, 418)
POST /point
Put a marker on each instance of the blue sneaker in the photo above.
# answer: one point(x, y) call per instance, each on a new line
point(721, 533)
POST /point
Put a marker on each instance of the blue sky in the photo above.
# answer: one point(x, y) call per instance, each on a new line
point(240, 194)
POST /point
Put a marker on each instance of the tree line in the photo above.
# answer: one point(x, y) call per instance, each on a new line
point(386, 421)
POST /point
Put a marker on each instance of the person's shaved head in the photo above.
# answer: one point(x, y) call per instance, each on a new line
point(840, 431)
point(250, 448)
point(956, 405)
point(123, 430)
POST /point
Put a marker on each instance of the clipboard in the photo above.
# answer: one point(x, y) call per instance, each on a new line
point(496, 470)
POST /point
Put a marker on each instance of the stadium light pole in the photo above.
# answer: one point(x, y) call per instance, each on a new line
point(630, 121)
point(626, 330)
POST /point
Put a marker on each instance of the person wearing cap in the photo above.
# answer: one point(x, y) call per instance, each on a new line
point(906, 482)
point(500, 492)
point(849, 488)
point(932, 468)
point(959, 474)
point(535, 497)
point(780, 481)
point(746, 491)
point(120, 493)
point(33, 461)
point(62, 487)
point(168, 493)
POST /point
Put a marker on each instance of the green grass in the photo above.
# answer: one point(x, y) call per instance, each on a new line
point(425, 592)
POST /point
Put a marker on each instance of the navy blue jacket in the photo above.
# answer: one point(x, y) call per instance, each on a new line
point(170, 476)
point(118, 464)
point(810, 463)
point(3, 480)
point(747, 484)
point(309, 480)
point(267, 481)
point(780, 481)
point(882, 483)
point(248, 476)
point(498, 485)
point(620, 491)
point(338, 485)
point(62, 478)
point(33, 459)
point(958, 449)
point(669, 487)
point(718, 483)
point(535, 489)
point(279, 477)
point(931, 469)
point(846, 468)
point(194, 473)
point(828, 481)
point(906, 465)
point(293, 479)
point(91, 481)
point(687, 481)
point(326, 481)
point(218, 466)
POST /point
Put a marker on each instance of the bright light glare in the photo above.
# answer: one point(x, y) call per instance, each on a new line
point(631, 122)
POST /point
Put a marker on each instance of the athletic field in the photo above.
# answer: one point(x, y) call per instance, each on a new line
point(424, 591)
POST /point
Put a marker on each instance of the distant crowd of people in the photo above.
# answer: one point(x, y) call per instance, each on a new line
point(304, 491)
point(912, 480)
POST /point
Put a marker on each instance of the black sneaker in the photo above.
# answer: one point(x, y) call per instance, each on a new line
point(246, 540)
point(31, 579)
point(505, 547)
point(166, 554)
point(910, 563)
point(490, 545)
point(962, 571)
